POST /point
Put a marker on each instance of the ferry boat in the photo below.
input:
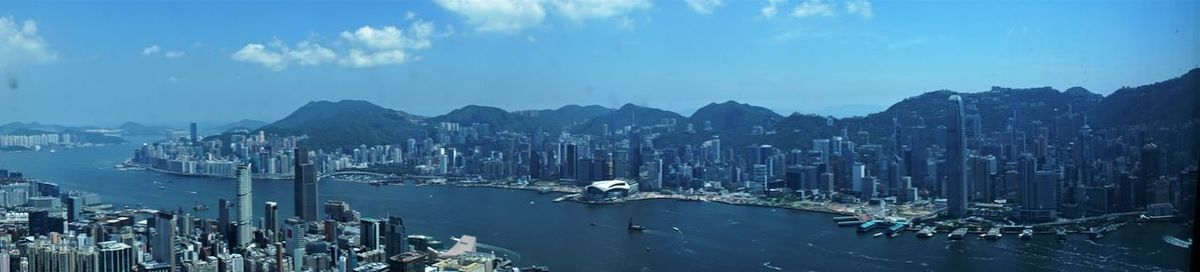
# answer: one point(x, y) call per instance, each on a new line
point(1026, 234)
point(957, 234)
point(993, 234)
point(868, 226)
point(926, 232)
point(200, 207)
point(633, 227)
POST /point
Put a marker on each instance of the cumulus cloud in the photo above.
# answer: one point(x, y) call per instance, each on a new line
point(704, 6)
point(20, 43)
point(814, 8)
point(364, 47)
point(174, 54)
point(860, 8)
point(151, 50)
point(387, 45)
point(259, 54)
point(497, 15)
point(771, 8)
point(512, 16)
point(579, 10)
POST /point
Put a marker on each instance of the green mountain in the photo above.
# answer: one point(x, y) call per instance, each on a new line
point(629, 114)
point(1171, 102)
point(346, 123)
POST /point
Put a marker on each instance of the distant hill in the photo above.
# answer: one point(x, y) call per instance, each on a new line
point(346, 123)
point(495, 117)
point(628, 114)
point(1174, 101)
point(565, 116)
point(136, 129)
point(246, 124)
point(12, 128)
point(39, 129)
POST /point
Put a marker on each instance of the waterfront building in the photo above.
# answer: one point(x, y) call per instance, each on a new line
point(956, 154)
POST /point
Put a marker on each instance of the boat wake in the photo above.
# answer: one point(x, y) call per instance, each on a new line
point(768, 265)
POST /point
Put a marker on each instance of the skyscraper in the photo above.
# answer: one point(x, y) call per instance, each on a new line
point(244, 209)
point(194, 135)
point(223, 220)
point(396, 236)
point(294, 233)
point(115, 256)
point(305, 182)
point(956, 156)
point(369, 233)
point(635, 155)
point(162, 243)
point(271, 216)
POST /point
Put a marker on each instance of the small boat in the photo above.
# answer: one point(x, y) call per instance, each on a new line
point(993, 234)
point(957, 234)
point(200, 207)
point(1060, 233)
point(877, 235)
point(543, 191)
point(1026, 234)
point(531, 203)
point(633, 227)
point(162, 187)
point(592, 224)
point(676, 229)
point(647, 249)
point(926, 232)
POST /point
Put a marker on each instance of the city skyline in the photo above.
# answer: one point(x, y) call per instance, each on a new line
point(806, 57)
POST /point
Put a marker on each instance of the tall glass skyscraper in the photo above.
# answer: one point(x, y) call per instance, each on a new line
point(956, 157)
point(305, 187)
point(244, 209)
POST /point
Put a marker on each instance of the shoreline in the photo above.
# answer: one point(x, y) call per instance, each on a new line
point(653, 197)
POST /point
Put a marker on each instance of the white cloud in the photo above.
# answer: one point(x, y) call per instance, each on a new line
point(409, 15)
point(704, 6)
point(512, 16)
point(153, 49)
point(530, 38)
point(497, 15)
point(172, 79)
point(174, 54)
point(812, 8)
point(21, 43)
point(771, 8)
point(387, 45)
point(861, 8)
point(579, 10)
point(364, 47)
point(258, 53)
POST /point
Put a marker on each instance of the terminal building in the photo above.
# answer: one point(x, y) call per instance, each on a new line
point(608, 189)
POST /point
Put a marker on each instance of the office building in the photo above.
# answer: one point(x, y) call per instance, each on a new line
point(305, 182)
point(396, 236)
point(244, 209)
point(956, 156)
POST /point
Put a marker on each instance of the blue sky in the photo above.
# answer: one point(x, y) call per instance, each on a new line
point(155, 62)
